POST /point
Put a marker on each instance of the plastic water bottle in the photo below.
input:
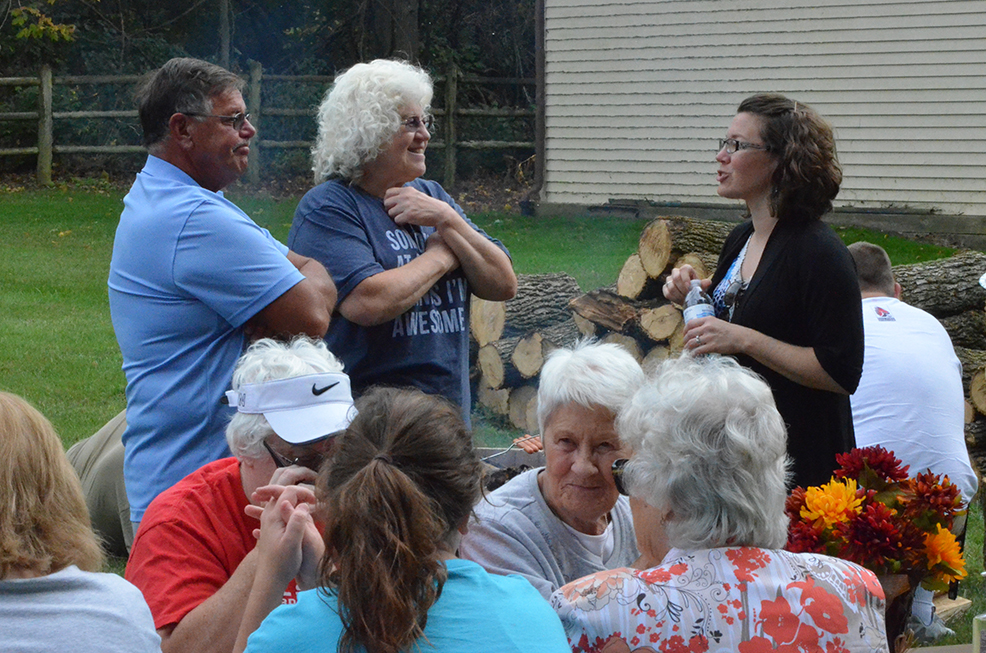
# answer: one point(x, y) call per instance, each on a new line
point(697, 303)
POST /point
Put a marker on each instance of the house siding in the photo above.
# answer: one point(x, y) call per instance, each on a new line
point(638, 94)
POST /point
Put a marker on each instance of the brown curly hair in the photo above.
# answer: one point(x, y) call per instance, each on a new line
point(392, 498)
point(808, 174)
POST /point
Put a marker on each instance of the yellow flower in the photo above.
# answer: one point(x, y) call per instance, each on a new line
point(942, 548)
point(831, 503)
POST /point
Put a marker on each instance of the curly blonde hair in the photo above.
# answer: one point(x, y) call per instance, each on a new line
point(361, 112)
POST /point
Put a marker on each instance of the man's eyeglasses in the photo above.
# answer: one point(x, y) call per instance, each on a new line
point(235, 121)
point(731, 145)
point(312, 458)
point(618, 466)
point(414, 123)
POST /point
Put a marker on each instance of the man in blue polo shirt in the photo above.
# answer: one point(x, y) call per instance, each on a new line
point(193, 278)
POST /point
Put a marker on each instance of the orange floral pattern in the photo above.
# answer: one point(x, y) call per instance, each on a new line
point(741, 599)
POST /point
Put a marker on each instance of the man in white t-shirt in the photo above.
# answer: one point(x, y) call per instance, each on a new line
point(910, 398)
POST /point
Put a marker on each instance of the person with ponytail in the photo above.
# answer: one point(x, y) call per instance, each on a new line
point(394, 501)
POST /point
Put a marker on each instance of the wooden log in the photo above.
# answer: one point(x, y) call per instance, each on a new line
point(701, 237)
point(585, 326)
point(676, 343)
point(495, 399)
point(945, 286)
point(635, 283)
point(966, 329)
point(520, 399)
point(528, 356)
point(973, 360)
point(975, 435)
point(561, 335)
point(657, 355)
point(695, 260)
point(494, 364)
point(541, 301)
point(628, 343)
point(654, 247)
point(977, 390)
point(486, 320)
point(659, 323)
point(605, 308)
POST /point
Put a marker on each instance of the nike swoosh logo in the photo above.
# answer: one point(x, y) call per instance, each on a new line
point(318, 391)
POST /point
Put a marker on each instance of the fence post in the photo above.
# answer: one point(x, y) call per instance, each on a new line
point(253, 169)
point(45, 127)
point(451, 91)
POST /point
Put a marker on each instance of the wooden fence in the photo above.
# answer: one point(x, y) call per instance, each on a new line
point(450, 142)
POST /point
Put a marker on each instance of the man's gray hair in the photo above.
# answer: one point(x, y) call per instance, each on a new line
point(272, 360)
point(182, 85)
point(589, 374)
point(710, 449)
point(361, 112)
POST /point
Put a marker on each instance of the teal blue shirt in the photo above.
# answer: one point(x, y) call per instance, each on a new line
point(477, 611)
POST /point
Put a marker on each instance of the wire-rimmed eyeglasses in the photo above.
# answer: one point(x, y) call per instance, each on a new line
point(731, 145)
point(414, 123)
point(235, 121)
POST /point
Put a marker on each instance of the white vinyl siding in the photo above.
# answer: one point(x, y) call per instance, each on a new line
point(639, 92)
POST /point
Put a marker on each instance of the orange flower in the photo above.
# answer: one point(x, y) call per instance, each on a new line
point(832, 503)
point(942, 548)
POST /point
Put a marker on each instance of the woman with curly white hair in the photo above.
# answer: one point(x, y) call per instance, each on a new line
point(707, 491)
point(402, 253)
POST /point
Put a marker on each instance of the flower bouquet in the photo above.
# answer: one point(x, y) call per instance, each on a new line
point(873, 514)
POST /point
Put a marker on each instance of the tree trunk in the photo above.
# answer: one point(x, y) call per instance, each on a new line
point(946, 286)
point(704, 238)
point(634, 282)
point(494, 399)
point(628, 343)
point(541, 302)
point(966, 329)
point(660, 323)
point(606, 309)
point(521, 399)
point(494, 363)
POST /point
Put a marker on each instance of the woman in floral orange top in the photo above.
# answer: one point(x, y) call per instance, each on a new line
point(708, 485)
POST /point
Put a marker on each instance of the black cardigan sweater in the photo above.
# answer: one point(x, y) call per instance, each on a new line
point(805, 292)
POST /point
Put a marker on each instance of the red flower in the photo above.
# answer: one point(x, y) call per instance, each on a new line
point(804, 538)
point(880, 462)
point(824, 608)
point(778, 620)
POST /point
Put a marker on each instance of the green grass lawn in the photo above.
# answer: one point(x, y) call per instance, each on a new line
point(57, 347)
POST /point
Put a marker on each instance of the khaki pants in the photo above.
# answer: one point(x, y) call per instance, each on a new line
point(98, 460)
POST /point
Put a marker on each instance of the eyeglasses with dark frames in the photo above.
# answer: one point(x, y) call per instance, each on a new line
point(235, 121)
point(414, 123)
point(618, 466)
point(731, 145)
point(311, 459)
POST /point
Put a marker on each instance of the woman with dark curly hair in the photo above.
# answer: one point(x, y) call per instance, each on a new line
point(785, 291)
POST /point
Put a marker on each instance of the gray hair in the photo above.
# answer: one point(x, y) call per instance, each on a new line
point(272, 360)
point(361, 112)
point(710, 447)
point(590, 374)
point(182, 85)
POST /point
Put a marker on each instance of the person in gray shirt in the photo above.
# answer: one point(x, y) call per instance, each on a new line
point(52, 597)
point(566, 520)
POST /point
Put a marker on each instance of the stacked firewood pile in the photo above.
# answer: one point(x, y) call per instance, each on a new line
point(551, 311)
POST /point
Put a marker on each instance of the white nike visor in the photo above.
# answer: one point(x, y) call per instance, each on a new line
point(302, 409)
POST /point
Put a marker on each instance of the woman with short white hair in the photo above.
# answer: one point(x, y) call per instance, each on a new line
point(567, 519)
point(402, 253)
point(707, 485)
